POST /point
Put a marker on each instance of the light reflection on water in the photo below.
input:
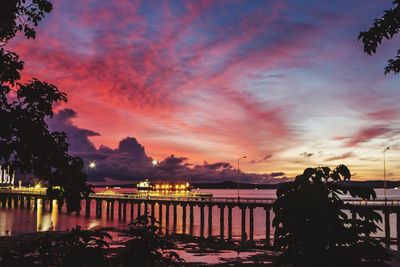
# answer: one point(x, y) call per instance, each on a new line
point(13, 221)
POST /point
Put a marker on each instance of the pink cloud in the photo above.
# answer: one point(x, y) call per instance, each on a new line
point(341, 156)
point(365, 135)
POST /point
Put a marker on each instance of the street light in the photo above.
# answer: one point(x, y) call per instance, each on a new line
point(154, 162)
point(384, 172)
point(238, 170)
point(92, 164)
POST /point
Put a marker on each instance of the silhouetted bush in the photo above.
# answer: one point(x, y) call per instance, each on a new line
point(313, 229)
point(74, 248)
point(145, 246)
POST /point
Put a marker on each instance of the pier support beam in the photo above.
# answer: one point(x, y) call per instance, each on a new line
point(35, 204)
point(87, 211)
point(160, 215)
point(51, 206)
point(210, 221)
point(398, 229)
point(28, 203)
point(267, 225)
point(60, 203)
point(244, 235)
point(112, 209)
point(9, 202)
point(191, 219)
point(124, 211)
point(98, 208)
point(202, 221)
point(251, 209)
point(139, 207)
point(167, 218)
point(16, 202)
point(119, 209)
point(183, 218)
point(43, 204)
point(221, 222)
point(4, 201)
point(132, 211)
point(387, 229)
point(107, 209)
point(229, 223)
point(152, 210)
point(21, 203)
point(175, 217)
point(145, 209)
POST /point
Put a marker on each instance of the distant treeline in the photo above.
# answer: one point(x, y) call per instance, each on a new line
point(234, 185)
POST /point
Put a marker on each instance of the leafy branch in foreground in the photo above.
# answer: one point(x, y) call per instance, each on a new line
point(385, 27)
point(313, 228)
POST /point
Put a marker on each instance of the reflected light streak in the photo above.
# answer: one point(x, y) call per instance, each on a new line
point(38, 215)
point(54, 215)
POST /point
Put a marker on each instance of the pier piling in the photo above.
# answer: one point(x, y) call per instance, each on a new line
point(183, 218)
point(229, 223)
point(243, 223)
point(221, 222)
point(202, 221)
point(209, 221)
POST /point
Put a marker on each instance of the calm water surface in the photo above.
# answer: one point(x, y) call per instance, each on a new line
point(13, 221)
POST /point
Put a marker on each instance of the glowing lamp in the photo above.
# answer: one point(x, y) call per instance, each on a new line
point(92, 164)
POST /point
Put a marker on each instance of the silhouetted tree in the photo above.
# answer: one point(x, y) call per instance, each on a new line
point(21, 15)
point(26, 144)
point(385, 27)
point(145, 246)
point(313, 229)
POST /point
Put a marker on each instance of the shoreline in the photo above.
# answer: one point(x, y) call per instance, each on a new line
point(191, 249)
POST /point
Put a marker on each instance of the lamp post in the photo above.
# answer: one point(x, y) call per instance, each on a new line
point(238, 170)
point(90, 166)
point(384, 172)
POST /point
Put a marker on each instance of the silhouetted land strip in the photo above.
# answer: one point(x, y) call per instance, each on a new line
point(234, 185)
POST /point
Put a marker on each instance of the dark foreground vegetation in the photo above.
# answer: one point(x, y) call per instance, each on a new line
point(313, 229)
point(142, 246)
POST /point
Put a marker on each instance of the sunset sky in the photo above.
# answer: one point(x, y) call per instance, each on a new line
point(285, 83)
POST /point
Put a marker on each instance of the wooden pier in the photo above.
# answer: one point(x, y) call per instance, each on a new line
point(21, 199)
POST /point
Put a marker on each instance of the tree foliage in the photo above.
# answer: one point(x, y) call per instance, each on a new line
point(21, 15)
point(385, 27)
point(313, 229)
point(145, 246)
point(26, 144)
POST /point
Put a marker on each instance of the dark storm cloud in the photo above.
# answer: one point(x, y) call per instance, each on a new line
point(77, 137)
point(130, 162)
